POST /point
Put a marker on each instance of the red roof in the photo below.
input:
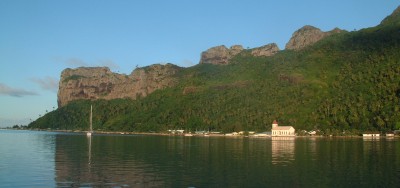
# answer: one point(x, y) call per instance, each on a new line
point(282, 128)
point(275, 122)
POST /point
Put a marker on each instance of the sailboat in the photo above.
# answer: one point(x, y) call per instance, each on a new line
point(89, 133)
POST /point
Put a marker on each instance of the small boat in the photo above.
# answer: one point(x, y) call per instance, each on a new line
point(89, 133)
point(188, 134)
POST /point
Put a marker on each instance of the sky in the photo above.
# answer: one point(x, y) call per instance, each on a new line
point(40, 38)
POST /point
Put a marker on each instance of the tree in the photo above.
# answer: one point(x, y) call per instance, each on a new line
point(398, 125)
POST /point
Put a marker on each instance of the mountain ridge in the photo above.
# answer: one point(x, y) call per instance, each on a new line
point(79, 83)
point(345, 82)
point(393, 18)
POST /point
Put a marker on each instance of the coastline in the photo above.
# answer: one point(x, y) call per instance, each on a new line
point(202, 135)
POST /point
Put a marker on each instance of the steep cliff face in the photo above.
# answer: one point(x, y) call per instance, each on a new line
point(307, 36)
point(101, 83)
point(220, 55)
point(267, 50)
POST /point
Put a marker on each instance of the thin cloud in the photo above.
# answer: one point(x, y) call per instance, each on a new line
point(187, 63)
point(14, 92)
point(76, 62)
point(47, 83)
point(109, 63)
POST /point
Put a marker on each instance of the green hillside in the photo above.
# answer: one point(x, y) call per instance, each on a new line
point(346, 82)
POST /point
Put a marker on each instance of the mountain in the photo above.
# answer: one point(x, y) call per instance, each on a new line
point(307, 36)
point(220, 55)
point(100, 83)
point(394, 18)
point(342, 83)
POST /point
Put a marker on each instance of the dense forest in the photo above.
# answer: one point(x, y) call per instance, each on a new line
point(346, 83)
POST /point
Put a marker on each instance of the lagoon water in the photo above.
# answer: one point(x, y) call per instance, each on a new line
point(45, 159)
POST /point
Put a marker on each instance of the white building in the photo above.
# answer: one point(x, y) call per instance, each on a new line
point(371, 134)
point(282, 130)
point(389, 134)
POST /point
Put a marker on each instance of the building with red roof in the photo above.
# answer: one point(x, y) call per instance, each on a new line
point(282, 130)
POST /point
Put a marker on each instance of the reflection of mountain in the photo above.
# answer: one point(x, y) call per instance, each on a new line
point(166, 161)
point(159, 161)
point(282, 150)
point(312, 148)
point(80, 161)
point(371, 145)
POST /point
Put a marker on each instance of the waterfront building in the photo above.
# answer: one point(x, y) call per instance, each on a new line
point(390, 134)
point(282, 130)
point(371, 134)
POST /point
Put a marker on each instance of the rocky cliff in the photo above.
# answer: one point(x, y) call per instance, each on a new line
point(220, 55)
point(307, 36)
point(267, 50)
point(101, 83)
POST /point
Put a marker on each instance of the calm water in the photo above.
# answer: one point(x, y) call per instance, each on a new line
point(42, 159)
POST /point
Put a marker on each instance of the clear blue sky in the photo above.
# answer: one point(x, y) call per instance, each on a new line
point(40, 38)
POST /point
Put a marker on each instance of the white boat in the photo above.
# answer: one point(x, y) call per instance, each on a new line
point(89, 133)
point(188, 134)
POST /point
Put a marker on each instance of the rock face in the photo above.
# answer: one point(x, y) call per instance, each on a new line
point(220, 55)
point(101, 83)
point(267, 50)
point(307, 36)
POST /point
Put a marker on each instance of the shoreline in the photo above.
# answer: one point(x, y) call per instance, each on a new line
point(202, 135)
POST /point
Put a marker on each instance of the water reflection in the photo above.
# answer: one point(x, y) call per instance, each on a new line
point(282, 150)
point(100, 162)
point(158, 161)
point(365, 138)
point(311, 145)
point(171, 161)
point(41, 159)
point(26, 159)
point(89, 138)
